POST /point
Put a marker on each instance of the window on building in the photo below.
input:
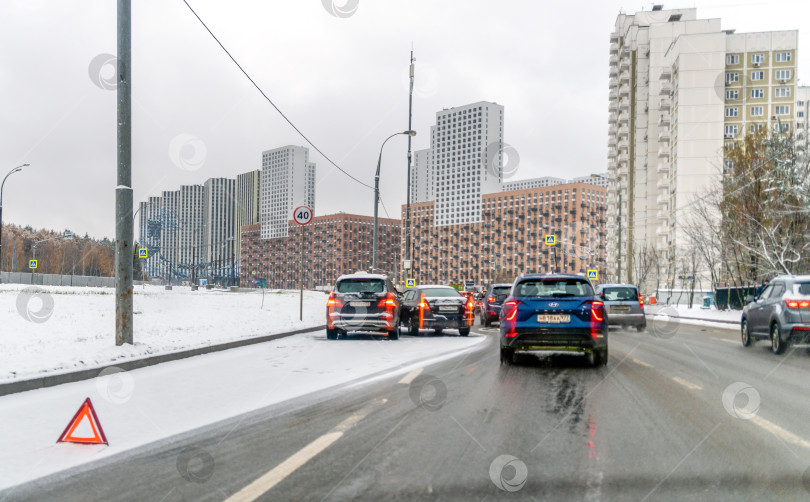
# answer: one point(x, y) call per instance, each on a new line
point(783, 74)
point(757, 76)
point(733, 59)
point(732, 111)
point(732, 76)
point(757, 111)
point(783, 57)
point(781, 92)
point(782, 109)
point(735, 94)
point(731, 130)
point(757, 58)
point(757, 93)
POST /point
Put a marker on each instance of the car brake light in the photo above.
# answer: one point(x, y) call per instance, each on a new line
point(333, 302)
point(640, 301)
point(510, 309)
point(490, 299)
point(597, 317)
point(511, 334)
point(797, 304)
point(388, 301)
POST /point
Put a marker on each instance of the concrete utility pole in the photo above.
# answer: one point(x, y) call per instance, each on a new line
point(123, 190)
point(407, 265)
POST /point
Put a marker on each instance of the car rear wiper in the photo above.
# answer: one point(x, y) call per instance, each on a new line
point(562, 295)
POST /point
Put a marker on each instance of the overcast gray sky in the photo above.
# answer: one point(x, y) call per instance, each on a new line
point(342, 81)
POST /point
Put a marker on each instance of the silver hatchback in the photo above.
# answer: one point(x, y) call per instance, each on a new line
point(624, 305)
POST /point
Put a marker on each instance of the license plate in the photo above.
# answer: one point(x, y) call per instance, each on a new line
point(360, 304)
point(448, 309)
point(619, 307)
point(553, 318)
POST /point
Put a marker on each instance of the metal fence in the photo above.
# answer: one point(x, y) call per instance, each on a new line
point(56, 280)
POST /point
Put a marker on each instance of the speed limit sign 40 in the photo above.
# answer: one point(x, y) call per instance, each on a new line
point(302, 215)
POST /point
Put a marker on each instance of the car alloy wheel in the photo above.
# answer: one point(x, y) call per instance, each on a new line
point(746, 334)
point(777, 344)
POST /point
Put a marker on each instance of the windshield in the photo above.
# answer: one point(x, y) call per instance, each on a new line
point(620, 294)
point(361, 286)
point(553, 288)
point(501, 292)
point(441, 293)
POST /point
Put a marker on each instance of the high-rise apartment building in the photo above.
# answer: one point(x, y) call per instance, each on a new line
point(600, 179)
point(422, 183)
point(287, 181)
point(802, 120)
point(680, 87)
point(466, 160)
point(169, 236)
point(190, 223)
point(248, 203)
point(219, 234)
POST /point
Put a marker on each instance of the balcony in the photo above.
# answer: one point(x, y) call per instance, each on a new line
point(666, 89)
point(613, 130)
point(625, 63)
point(614, 105)
point(624, 131)
point(624, 144)
point(624, 90)
point(613, 73)
point(624, 77)
point(664, 105)
point(663, 120)
point(612, 140)
point(662, 200)
point(666, 74)
point(662, 231)
point(624, 157)
point(612, 118)
point(614, 46)
point(663, 167)
point(614, 59)
point(624, 117)
point(663, 184)
point(663, 136)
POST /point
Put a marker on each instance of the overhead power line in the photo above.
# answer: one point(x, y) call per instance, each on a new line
point(270, 100)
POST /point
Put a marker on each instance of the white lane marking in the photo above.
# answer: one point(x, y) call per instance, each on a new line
point(276, 475)
point(407, 379)
point(735, 342)
point(687, 384)
point(637, 361)
point(779, 432)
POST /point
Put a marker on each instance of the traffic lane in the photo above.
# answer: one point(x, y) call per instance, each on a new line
point(747, 379)
point(195, 465)
point(624, 432)
point(571, 427)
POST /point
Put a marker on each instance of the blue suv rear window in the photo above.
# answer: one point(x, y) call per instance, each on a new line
point(553, 288)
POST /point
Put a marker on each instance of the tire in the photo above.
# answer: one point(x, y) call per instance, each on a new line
point(745, 334)
point(393, 334)
point(603, 357)
point(331, 334)
point(778, 346)
point(438, 332)
point(413, 329)
point(507, 356)
point(642, 327)
point(464, 331)
point(487, 323)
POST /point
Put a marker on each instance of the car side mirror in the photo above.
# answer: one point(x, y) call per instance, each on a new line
point(750, 299)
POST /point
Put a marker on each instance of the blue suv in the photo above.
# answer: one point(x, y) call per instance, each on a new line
point(554, 312)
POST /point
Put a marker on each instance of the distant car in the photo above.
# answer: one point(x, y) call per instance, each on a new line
point(554, 312)
point(437, 308)
point(624, 305)
point(780, 314)
point(492, 302)
point(363, 302)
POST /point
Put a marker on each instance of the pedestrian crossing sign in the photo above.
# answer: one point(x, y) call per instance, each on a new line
point(410, 283)
point(143, 253)
point(551, 240)
point(593, 274)
point(32, 264)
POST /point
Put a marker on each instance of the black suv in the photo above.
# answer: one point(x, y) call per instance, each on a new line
point(437, 307)
point(780, 314)
point(492, 302)
point(363, 302)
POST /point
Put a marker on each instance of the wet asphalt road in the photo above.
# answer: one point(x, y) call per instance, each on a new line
point(679, 413)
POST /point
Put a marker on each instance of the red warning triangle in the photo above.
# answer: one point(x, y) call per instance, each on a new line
point(84, 427)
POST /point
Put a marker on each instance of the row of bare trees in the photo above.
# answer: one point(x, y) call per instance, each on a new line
point(67, 256)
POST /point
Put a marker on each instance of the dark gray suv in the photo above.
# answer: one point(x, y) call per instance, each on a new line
point(780, 314)
point(363, 302)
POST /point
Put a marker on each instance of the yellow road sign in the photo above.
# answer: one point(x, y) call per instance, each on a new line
point(551, 240)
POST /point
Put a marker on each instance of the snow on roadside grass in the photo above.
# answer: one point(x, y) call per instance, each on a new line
point(70, 328)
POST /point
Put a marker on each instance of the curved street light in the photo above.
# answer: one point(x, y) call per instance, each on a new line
point(377, 197)
point(15, 170)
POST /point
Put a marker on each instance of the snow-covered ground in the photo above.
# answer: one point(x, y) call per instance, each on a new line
point(63, 329)
point(148, 404)
point(696, 315)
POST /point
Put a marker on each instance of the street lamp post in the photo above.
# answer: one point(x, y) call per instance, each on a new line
point(15, 170)
point(377, 197)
